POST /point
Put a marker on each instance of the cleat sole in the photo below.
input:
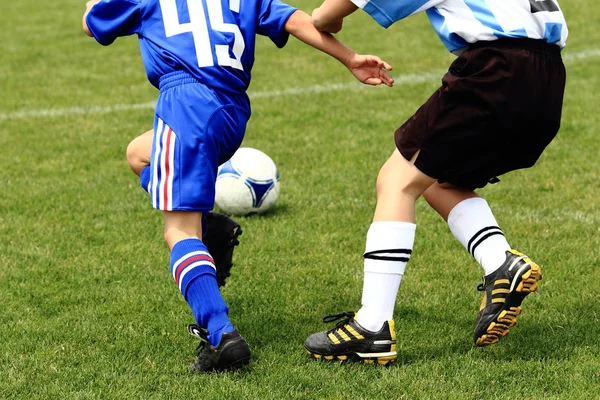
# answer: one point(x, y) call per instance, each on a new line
point(386, 360)
point(507, 318)
point(486, 340)
point(529, 280)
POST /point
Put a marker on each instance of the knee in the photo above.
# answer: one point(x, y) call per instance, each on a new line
point(391, 182)
point(133, 157)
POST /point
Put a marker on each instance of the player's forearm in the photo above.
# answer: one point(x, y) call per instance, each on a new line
point(300, 26)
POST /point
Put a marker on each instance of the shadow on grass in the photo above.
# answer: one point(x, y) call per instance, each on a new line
point(529, 340)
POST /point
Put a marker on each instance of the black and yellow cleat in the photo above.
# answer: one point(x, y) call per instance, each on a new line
point(504, 290)
point(350, 340)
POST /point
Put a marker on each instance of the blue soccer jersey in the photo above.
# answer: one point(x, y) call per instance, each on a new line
point(213, 40)
point(460, 22)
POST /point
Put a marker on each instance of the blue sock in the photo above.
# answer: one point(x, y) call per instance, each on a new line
point(145, 178)
point(194, 272)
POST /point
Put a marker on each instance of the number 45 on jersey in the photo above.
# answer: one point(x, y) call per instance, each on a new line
point(198, 27)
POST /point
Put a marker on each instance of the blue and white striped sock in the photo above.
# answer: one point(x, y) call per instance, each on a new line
point(193, 269)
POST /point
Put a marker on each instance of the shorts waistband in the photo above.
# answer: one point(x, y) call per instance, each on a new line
point(176, 78)
point(519, 43)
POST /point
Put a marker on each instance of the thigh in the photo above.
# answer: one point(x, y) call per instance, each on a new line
point(193, 127)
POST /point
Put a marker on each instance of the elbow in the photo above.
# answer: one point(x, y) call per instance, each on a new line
point(324, 24)
point(318, 20)
point(319, 24)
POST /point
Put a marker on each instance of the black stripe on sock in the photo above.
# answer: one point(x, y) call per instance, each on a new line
point(375, 255)
point(478, 240)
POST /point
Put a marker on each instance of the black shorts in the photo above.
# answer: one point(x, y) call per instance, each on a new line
point(498, 108)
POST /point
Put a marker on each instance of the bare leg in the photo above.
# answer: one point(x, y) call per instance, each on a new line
point(390, 238)
point(472, 223)
point(443, 197)
point(399, 185)
point(194, 272)
point(388, 248)
point(180, 225)
point(138, 152)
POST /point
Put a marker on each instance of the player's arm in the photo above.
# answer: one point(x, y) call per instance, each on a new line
point(370, 70)
point(88, 7)
point(331, 14)
point(107, 20)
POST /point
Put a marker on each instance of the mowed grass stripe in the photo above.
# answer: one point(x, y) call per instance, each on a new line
point(400, 80)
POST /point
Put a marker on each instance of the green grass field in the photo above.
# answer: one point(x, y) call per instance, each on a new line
point(88, 309)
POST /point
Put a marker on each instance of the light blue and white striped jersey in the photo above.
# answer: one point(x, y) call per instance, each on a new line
point(460, 22)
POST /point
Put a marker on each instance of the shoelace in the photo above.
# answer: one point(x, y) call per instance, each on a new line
point(200, 333)
point(347, 316)
point(205, 360)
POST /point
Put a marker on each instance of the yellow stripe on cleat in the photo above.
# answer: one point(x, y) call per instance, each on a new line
point(343, 335)
point(329, 357)
point(354, 332)
point(392, 330)
point(343, 357)
point(333, 338)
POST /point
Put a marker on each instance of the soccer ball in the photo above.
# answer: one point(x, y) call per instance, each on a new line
point(248, 183)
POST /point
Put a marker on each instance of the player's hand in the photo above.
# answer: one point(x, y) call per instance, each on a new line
point(370, 70)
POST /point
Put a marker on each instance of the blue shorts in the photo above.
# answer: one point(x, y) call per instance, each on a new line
point(195, 130)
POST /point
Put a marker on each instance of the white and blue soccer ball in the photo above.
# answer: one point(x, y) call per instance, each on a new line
point(248, 183)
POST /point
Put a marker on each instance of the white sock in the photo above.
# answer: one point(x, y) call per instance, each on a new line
point(388, 249)
point(473, 224)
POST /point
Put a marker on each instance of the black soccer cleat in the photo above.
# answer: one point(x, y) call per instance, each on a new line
point(220, 237)
point(504, 290)
point(350, 340)
point(231, 353)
